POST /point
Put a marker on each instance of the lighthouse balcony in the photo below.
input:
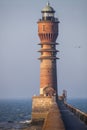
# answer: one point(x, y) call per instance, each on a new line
point(48, 57)
point(48, 50)
point(48, 43)
point(47, 19)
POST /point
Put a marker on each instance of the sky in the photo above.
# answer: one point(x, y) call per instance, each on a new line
point(19, 64)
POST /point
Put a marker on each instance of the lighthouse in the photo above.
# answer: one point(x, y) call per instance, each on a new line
point(48, 33)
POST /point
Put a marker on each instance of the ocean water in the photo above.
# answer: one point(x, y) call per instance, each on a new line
point(15, 110)
point(81, 104)
point(20, 110)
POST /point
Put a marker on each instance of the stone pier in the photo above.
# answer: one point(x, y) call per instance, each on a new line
point(40, 107)
point(53, 120)
point(45, 109)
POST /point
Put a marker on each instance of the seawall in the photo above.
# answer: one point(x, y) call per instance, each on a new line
point(46, 110)
point(48, 115)
point(53, 120)
point(81, 115)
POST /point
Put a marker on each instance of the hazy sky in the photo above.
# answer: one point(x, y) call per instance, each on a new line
point(19, 67)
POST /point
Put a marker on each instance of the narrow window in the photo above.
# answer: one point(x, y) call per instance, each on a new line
point(44, 28)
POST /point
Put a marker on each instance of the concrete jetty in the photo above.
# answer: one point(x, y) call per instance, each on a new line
point(55, 116)
point(53, 120)
point(71, 121)
point(81, 115)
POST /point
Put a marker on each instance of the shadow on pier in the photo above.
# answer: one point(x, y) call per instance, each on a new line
point(71, 121)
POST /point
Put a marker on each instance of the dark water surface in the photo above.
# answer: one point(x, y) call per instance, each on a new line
point(15, 110)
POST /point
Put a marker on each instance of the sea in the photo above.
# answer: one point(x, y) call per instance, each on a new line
point(78, 103)
point(14, 111)
point(15, 114)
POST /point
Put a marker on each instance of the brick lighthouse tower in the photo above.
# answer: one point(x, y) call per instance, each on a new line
point(48, 32)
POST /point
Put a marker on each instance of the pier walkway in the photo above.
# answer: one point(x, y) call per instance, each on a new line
point(53, 120)
point(71, 122)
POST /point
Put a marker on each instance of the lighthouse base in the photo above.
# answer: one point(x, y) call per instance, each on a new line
point(40, 107)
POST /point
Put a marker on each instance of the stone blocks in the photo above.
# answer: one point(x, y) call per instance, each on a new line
point(40, 107)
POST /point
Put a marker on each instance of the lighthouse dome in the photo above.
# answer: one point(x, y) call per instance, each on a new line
point(48, 8)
